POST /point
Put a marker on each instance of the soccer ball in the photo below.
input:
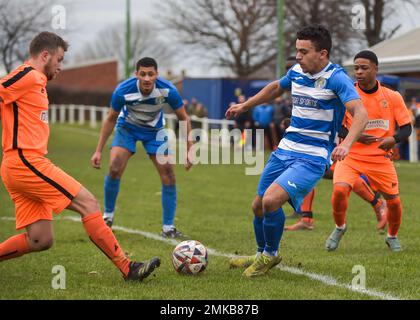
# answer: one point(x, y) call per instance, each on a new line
point(190, 257)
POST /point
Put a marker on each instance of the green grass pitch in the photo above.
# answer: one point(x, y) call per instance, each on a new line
point(214, 207)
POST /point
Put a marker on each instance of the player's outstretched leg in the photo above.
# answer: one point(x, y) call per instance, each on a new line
point(340, 197)
point(102, 236)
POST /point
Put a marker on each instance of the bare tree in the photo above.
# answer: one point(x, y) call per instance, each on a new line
point(18, 25)
point(238, 35)
point(334, 15)
point(241, 35)
point(377, 13)
point(110, 43)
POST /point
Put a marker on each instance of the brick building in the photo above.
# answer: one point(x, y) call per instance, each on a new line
point(90, 83)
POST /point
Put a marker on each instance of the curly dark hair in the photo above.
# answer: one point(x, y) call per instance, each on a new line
point(147, 62)
point(318, 34)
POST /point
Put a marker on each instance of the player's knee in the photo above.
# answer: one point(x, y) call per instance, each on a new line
point(115, 169)
point(92, 205)
point(270, 203)
point(340, 193)
point(85, 203)
point(42, 243)
point(340, 197)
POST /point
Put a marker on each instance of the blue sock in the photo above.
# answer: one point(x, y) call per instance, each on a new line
point(168, 204)
point(112, 187)
point(259, 233)
point(273, 230)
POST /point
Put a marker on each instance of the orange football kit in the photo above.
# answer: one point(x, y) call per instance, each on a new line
point(35, 184)
point(386, 109)
point(38, 187)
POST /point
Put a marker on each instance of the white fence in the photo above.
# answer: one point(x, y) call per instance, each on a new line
point(94, 115)
point(82, 114)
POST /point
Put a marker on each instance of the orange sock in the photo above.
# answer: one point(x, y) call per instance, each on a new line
point(307, 202)
point(394, 216)
point(14, 247)
point(102, 236)
point(339, 201)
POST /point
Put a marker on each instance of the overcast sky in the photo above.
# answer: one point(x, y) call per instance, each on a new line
point(86, 18)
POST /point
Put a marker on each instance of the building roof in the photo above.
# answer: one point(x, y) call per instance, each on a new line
point(397, 55)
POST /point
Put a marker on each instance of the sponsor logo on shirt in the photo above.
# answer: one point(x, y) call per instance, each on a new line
point(378, 124)
point(305, 102)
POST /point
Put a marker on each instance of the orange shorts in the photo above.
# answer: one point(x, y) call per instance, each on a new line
point(382, 176)
point(37, 187)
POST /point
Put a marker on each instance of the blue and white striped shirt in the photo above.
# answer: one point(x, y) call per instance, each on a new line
point(318, 111)
point(140, 112)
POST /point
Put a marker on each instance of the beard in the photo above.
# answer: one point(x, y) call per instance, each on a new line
point(49, 71)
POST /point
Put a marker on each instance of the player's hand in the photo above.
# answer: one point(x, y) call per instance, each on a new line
point(96, 160)
point(367, 139)
point(387, 143)
point(339, 153)
point(234, 111)
point(188, 164)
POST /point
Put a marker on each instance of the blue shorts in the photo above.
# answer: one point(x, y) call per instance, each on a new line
point(298, 176)
point(154, 142)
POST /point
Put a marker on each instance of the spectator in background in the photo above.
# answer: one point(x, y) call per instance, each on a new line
point(415, 112)
point(201, 111)
point(244, 121)
point(282, 110)
point(192, 106)
point(414, 107)
point(263, 117)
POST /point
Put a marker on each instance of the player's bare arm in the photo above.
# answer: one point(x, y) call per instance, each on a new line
point(107, 128)
point(183, 116)
point(267, 94)
point(360, 120)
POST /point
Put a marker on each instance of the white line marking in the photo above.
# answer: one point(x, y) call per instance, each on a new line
point(327, 280)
